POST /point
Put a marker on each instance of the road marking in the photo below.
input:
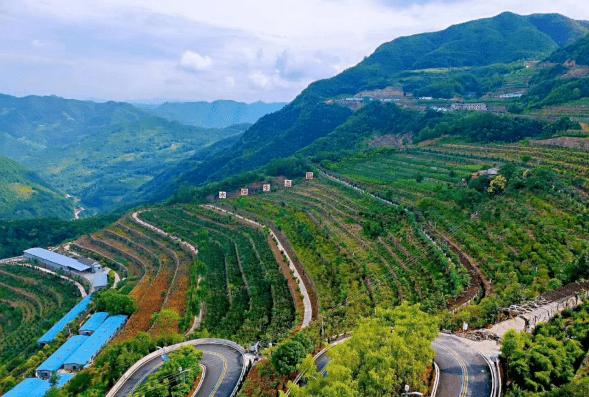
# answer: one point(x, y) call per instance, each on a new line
point(222, 374)
point(464, 386)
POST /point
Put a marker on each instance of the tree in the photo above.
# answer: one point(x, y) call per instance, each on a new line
point(287, 357)
point(383, 354)
point(114, 302)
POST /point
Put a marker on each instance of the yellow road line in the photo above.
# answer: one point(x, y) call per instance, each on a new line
point(222, 374)
point(464, 386)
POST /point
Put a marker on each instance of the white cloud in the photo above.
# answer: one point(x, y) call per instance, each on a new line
point(194, 62)
point(260, 79)
point(230, 81)
point(256, 50)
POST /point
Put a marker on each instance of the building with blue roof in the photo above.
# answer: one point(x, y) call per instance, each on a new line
point(100, 281)
point(95, 343)
point(57, 359)
point(55, 260)
point(61, 324)
point(93, 323)
point(33, 387)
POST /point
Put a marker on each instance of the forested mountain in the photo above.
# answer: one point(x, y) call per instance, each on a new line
point(217, 114)
point(482, 46)
point(32, 123)
point(577, 51)
point(100, 153)
point(23, 194)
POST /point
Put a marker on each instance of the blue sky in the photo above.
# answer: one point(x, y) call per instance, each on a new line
point(251, 50)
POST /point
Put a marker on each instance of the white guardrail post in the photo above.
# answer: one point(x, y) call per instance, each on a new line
point(195, 342)
point(436, 381)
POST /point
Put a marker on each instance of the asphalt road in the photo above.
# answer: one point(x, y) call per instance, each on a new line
point(223, 366)
point(463, 372)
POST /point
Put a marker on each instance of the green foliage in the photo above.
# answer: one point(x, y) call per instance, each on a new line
point(549, 358)
point(115, 303)
point(577, 51)
point(23, 194)
point(19, 235)
point(383, 354)
point(168, 381)
point(288, 355)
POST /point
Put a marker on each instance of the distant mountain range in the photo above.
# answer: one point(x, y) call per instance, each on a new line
point(100, 153)
point(481, 50)
point(23, 194)
point(217, 114)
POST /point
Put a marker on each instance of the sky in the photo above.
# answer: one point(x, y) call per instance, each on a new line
point(195, 50)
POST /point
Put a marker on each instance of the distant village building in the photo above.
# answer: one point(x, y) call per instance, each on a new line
point(287, 183)
point(480, 107)
point(511, 95)
point(309, 176)
point(530, 64)
point(266, 187)
point(491, 172)
point(222, 195)
point(426, 98)
point(57, 261)
point(244, 192)
point(385, 93)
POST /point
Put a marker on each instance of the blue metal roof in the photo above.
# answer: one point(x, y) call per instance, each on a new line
point(100, 280)
point(33, 387)
point(94, 322)
point(96, 341)
point(68, 318)
point(56, 360)
point(58, 258)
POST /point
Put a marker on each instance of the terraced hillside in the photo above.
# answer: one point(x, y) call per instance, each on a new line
point(523, 232)
point(31, 301)
point(359, 251)
point(157, 271)
point(243, 291)
point(219, 275)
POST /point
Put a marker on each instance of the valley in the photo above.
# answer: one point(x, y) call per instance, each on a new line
point(417, 224)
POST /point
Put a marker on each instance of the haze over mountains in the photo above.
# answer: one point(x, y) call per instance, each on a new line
point(110, 154)
point(484, 46)
point(102, 153)
point(217, 114)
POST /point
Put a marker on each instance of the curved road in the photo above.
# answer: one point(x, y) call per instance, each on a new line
point(223, 368)
point(463, 372)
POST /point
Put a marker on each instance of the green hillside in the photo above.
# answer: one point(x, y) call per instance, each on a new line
point(478, 53)
point(100, 153)
point(23, 194)
point(578, 52)
point(217, 114)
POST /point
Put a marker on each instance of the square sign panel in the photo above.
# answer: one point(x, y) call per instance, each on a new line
point(287, 183)
point(244, 192)
point(222, 195)
point(309, 176)
point(266, 187)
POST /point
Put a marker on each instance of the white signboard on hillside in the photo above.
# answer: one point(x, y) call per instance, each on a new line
point(244, 192)
point(309, 176)
point(287, 183)
point(266, 187)
point(222, 195)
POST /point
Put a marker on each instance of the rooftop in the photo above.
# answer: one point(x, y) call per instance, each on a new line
point(57, 359)
point(57, 258)
point(100, 280)
point(96, 341)
point(94, 322)
point(34, 387)
point(68, 318)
